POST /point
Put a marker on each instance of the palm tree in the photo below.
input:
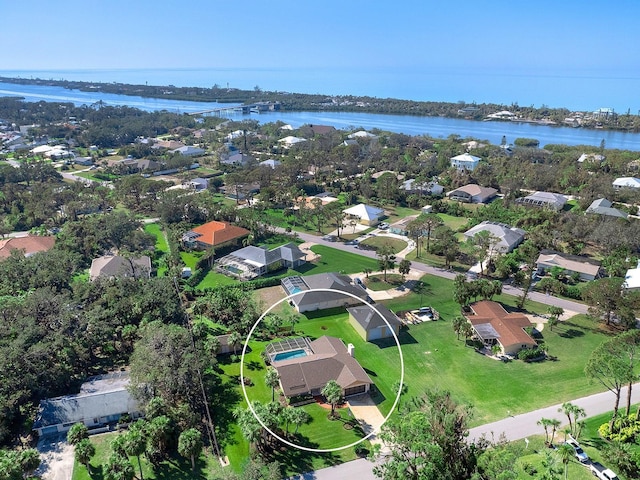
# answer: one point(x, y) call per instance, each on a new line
point(190, 445)
point(76, 433)
point(566, 453)
point(332, 393)
point(30, 460)
point(135, 442)
point(249, 425)
point(457, 324)
point(299, 417)
point(272, 380)
point(573, 413)
point(466, 330)
point(118, 468)
point(234, 339)
point(84, 450)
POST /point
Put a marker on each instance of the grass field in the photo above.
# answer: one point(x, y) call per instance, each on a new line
point(379, 241)
point(333, 260)
point(161, 241)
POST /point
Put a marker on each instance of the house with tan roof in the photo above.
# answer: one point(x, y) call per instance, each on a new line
point(587, 268)
point(493, 325)
point(27, 245)
point(214, 234)
point(305, 367)
point(473, 193)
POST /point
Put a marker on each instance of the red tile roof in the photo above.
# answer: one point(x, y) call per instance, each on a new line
point(30, 245)
point(218, 233)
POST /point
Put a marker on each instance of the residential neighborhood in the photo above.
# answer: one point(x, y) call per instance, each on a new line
point(134, 290)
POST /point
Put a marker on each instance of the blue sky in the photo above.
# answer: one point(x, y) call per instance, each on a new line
point(546, 35)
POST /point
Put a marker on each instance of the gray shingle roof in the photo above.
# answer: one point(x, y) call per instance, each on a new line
point(370, 320)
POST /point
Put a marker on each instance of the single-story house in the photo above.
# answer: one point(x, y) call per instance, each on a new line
point(473, 193)
point(189, 151)
point(429, 188)
point(84, 161)
point(225, 346)
point(197, 184)
point(400, 227)
point(289, 141)
point(554, 201)
point(304, 367)
point(371, 325)
point(271, 163)
point(626, 182)
point(587, 268)
point(591, 158)
point(306, 301)
point(427, 209)
point(251, 261)
point(319, 129)
point(366, 214)
point(362, 134)
point(632, 279)
point(29, 245)
point(168, 144)
point(466, 161)
point(237, 159)
point(214, 234)
point(510, 237)
point(102, 401)
point(115, 266)
point(493, 324)
point(602, 206)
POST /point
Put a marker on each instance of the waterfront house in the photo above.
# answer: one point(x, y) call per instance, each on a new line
point(465, 161)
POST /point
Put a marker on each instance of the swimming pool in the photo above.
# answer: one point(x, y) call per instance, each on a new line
point(278, 357)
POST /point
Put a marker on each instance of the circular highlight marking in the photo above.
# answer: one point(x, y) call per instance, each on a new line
point(300, 447)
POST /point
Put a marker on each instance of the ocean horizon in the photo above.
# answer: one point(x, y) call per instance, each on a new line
point(586, 90)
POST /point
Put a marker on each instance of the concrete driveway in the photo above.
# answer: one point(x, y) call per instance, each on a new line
point(56, 457)
point(365, 410)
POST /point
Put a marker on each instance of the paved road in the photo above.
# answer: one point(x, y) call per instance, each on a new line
point(524, 425)
point(450, 274)
point(514, 428)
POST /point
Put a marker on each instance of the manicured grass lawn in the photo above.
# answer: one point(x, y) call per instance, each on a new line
point(161, 241)
point(316, 434)
point(379, 241)
point(377, 283)
point(454, 223)
point(177, 468)
point(333, 260)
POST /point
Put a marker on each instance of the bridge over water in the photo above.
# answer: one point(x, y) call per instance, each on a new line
point(257, 107)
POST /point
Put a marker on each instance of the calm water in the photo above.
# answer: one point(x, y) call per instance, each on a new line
point(432, 126)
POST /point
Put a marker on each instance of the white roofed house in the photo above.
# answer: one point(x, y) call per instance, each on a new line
point(553, 201)
point(632, 279)
point(251, 261)
point(585, 267)
point(366, 214)
point(602, 206)
point(102, 400)
point(509, 237)
point(289, 141)
point(626, 182)
point(189, 151)
point(465, 161)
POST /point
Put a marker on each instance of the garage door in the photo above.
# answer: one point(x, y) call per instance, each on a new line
point(355, 390)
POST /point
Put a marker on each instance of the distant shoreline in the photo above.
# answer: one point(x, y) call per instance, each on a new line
point(300, 102)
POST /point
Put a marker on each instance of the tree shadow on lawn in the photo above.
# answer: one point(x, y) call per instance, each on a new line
point(405, 338)
point(178, 468)
point(222, 401)
point(570, 333)
point(297, 460)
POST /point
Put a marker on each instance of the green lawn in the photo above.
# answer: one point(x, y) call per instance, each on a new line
point(177, 468)
point(454, 223)
point(379, 241)
point(161, 241)
point(333, 260)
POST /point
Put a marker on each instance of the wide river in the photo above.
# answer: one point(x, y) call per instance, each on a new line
point(436, 127)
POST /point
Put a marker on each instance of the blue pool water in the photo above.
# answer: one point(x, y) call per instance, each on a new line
point(289, 355)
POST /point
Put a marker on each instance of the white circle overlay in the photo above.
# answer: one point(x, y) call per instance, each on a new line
point(320, 450)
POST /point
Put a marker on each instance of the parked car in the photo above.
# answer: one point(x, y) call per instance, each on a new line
point(580, 454)
point(359, 282)
point(383, 226)
point(602, 472)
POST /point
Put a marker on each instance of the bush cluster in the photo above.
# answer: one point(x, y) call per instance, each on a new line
point(531, 354)
point(625, 429)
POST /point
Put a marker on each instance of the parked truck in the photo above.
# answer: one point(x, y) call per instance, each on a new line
point(602, 472)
